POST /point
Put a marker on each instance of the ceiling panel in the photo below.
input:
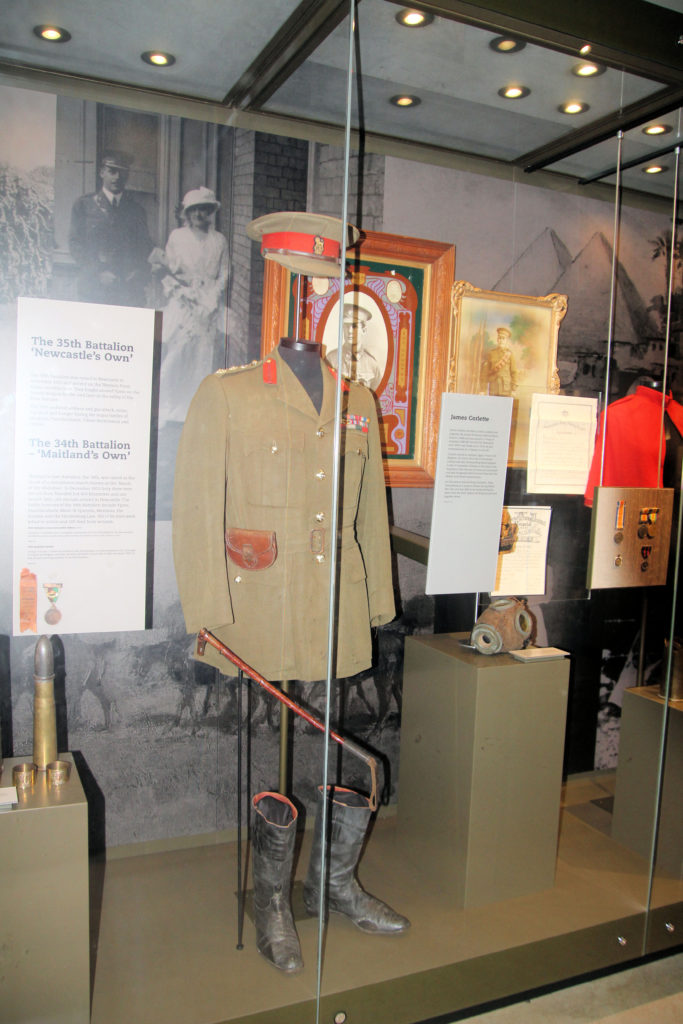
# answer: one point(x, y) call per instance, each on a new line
point(600, 162)
point(214, 41)
point(455, 74)
point(289, 57)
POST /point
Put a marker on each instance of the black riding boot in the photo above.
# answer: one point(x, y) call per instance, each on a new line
point(273, 838)
point(349, 814)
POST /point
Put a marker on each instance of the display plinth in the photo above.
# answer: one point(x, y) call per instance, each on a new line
point(636, 792)
point(44, 918)
point(482, 741)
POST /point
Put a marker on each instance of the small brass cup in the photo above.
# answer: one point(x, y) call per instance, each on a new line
point(24, 775)
point(58, 773)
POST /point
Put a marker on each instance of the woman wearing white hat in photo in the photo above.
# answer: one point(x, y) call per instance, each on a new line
point(195, 269)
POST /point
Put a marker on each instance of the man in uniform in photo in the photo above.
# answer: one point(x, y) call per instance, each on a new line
point(499, 371)
point(358, 362)
point(109, 239)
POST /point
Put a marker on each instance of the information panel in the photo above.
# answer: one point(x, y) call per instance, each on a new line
point(81, 482)
point(471, 465)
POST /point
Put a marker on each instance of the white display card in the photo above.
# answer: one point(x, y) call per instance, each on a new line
point(83, 398)
point(471, 465)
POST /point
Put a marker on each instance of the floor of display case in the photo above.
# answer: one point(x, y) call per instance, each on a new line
point(165, 935)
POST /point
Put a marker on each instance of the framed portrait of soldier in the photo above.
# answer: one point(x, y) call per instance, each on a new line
point(506, 344)
point(395, 337)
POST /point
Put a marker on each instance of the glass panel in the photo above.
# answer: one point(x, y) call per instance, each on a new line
point(518, 804)
point(666, 918)
point(511, 836)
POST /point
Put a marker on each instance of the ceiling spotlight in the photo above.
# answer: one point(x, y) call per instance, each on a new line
point(52, 33)
point(587, 69)
point(405, 101)
point(654, 169)
point(657, 129)
point(158, 58)
point(585, 49)
point(505, 44)
point(414, 19)
point(574, 107)
point(514, 92)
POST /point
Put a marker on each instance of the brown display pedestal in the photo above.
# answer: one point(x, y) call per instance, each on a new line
point(635, 796)
point(482, 741)
point(44, 918)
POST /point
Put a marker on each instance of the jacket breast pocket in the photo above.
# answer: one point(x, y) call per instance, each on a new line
point(273, 469)
point(355, 454)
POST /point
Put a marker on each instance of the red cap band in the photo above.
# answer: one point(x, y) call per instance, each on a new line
point(301, 243)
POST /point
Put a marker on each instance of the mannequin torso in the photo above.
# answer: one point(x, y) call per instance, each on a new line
point(303, 359)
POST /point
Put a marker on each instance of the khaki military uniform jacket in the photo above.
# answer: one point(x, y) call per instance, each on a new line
point(256, 456)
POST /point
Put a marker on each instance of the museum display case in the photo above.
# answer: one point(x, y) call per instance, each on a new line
point(514, 821)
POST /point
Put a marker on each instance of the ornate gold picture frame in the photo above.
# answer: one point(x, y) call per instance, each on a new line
point(506, 344)
point(400, 289)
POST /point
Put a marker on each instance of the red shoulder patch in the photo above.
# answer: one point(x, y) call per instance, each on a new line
point(269, 371)
point(345, 386)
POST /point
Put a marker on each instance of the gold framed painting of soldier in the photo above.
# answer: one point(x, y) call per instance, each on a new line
point(396, 336)
point(506, 344)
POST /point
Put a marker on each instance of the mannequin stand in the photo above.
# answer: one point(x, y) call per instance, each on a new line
point(284, 742)
point(303, 359)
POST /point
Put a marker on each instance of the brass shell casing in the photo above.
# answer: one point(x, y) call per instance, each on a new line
point(44, 724)
point(44, 709)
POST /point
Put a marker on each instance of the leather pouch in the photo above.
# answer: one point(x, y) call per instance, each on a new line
point(251, 549)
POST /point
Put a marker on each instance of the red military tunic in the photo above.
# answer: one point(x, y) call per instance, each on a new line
point(632, 444)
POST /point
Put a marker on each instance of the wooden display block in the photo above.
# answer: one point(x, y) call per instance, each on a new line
point(636, 793)
point(44, 914)
point(480, 775)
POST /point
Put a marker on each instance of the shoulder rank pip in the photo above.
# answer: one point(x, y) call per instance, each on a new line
point(236, 369)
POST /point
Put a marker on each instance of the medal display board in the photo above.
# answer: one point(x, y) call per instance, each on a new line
point(630, 534)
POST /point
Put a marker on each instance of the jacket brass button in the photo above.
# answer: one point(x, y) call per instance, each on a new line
point(320, 474)
point(238, 579)
point(274, 448)
point(320, 432)
point(319, 517)
point(320, 558)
